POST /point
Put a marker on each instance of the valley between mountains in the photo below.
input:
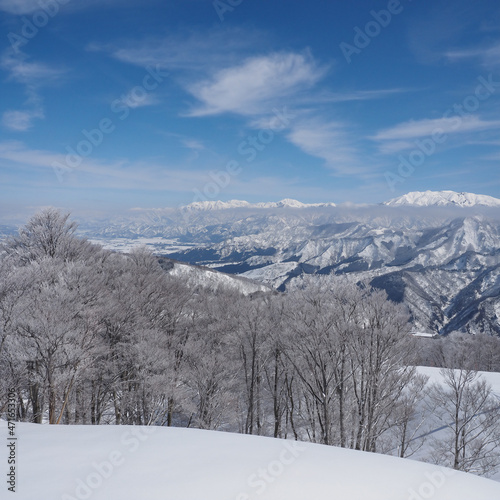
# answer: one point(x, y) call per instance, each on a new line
point(438, 252)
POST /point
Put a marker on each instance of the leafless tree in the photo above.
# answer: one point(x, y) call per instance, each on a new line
point(465, 403)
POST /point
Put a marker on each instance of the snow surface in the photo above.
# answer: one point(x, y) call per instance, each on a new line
point(158, 245)
point(272, 273)
point(434, 374)
point(443, 198)
point(127, 462)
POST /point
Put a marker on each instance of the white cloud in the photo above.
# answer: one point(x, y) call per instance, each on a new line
point(28, 73)
point(32, 75)
point(140, 99)
point(197, 51)
point(19, 6)
point(356, 95)
point(91, 172)
point(328, 141)
point(253, 86)
point(489, 57)
point(21, 120)
point(492, 157)
point(193, 144)
point(414, 129)
point(392, 147)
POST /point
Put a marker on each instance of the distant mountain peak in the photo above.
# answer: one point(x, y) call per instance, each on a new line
point(215, 205)
point(224, 205)
point(443, 199)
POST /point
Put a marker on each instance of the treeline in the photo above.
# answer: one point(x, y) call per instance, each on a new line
point(88, 336)
point(479, 352)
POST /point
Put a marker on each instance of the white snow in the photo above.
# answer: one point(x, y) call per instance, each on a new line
point(199, 276)
point(224, 205)
point(434, 374)
point(158, 245)
point(426, 335)
point(443, 198)
point(130, 463)
point(273, 274)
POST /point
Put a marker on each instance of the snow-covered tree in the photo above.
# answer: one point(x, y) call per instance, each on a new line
point(465, 404)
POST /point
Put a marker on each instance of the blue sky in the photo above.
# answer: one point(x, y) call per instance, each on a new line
point(108, 105)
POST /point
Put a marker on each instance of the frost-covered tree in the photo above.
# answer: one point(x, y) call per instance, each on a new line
point(380, 356)
point(48, 233)
point(407, 419)
point(471, 441)
point(55, 337)
point(92, 336)
point(211, 369)
point(349, 347)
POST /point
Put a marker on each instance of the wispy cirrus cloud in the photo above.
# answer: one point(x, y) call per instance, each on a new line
point(356, 95)
point(21, 121)
point(116, 174)
point(133, 100)
point(186, 141)
point(255, 85)
point(330, 142)
point(489, 56)
point(236, 81)
point(19, 6)
point(32, 75)
point(193, 144)
point(35, 74)
point(492, 157)
point(398, 138)
point(192, 52)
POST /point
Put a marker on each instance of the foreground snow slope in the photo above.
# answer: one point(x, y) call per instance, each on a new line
point(107, 462)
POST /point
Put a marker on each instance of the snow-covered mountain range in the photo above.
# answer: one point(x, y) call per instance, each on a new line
point(415, 198)
point(224, 205)
point(445, 267)
point(444, 198)
point(439, 252)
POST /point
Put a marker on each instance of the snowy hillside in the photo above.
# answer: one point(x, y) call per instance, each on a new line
point(208, 278)
point(130, 463)
point(443, 198)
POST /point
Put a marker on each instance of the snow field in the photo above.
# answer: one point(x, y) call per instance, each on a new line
point(126, 462)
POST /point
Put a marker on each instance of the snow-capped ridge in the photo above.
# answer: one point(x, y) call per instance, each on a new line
point(224, 205)
point(215, 205)
point(443, 199)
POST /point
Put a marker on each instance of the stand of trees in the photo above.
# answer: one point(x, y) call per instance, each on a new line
point(88, 336)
